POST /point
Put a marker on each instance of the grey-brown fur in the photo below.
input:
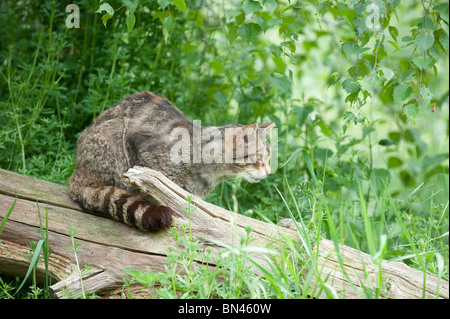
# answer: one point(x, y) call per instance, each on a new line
point(136, 131)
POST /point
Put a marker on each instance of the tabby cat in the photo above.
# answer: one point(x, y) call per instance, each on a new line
point(139, 131)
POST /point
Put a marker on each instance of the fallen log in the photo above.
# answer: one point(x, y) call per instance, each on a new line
point(110, 246)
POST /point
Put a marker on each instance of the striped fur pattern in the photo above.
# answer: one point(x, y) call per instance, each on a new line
point(136, 131)
point(120, 205)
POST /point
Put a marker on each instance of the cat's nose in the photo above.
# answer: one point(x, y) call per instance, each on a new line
point(267, 170)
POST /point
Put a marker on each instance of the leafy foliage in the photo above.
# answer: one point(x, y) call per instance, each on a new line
point(358, 91)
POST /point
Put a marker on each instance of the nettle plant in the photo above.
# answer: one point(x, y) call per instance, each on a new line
point(386, 62)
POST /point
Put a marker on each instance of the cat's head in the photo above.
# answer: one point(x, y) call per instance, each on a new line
point(251, 151)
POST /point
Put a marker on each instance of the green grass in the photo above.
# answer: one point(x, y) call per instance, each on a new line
point(373, 180)
point(287, 269)
point(38, 250)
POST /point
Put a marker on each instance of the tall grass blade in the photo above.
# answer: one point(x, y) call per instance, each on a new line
point(441, 266)
point(7, 215)
point(46, 248)
point(300, 230)
point(34, 259)
point(367, 224)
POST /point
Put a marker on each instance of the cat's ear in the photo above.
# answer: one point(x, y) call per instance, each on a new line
point(267, 126)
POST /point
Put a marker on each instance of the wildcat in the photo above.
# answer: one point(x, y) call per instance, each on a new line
point(137, 131)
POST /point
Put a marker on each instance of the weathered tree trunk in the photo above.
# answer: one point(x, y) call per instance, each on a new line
point(110, 246)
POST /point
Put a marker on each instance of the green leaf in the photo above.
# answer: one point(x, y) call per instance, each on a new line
point(421, 61)
point(411, 110)
point(105, 18)
point(352, 97)
point(232, 33)
point(279, 63)
point(217, 66)
point(221, 98)
point(276, 50)
point(251, 6)
point(131, 4)
point(381, 53)
point(249, 32)
point(163, 3)
point(282, 83)
point(302, 114)
point(360, 25)
point(199, 20)
point(161, 15)
point(350, 117)
point(395, 45)
point(424, 41)
point(359, 8)
point(188, 47)
point(334, 78)
point(240, 18)
point(131, 20)
point(366, 131)
point(443, 40)
point(388, 74)
point(394, 32)
point(290, 45)
point(425, 96)
point(372, 82)
point(444, 16)
point(351, 85)
point(430, 161)
point(444, 26)
point(442, 8)
point(180, 4)
point(360, 70)
point(394, 162)
point(380, 179)
point(109, 12)
point(407, 39)
point(106, 7)
point(270, 5)
point(401, 92)
point(351, 50)
point(261, 22)
point(169, 26)
point(387, 142)
point(404, 76)
point(147, 279)
point(273, 22)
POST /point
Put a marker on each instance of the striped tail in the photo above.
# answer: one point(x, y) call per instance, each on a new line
point(120, 205)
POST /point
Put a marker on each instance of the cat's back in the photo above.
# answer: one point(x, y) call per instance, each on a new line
point(142, 115)
point(135, 131)
point(144, 107)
